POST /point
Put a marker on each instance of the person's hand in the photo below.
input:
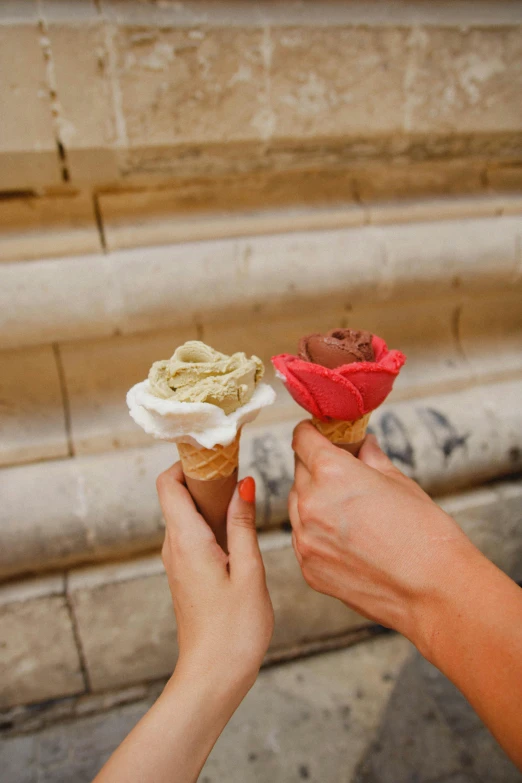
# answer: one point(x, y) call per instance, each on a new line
point(368, 535)
point(223, 610)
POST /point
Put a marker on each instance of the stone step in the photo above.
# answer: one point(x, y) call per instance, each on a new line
point(109, 626)
point(189, 284)
point(73, 513)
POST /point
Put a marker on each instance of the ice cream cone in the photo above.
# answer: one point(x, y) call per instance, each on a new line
point(211, 477)
point(348, 435)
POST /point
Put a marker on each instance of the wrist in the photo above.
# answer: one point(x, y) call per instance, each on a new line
point(214, 678)
point(452, 587)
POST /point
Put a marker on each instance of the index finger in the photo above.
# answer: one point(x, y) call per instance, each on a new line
point(308, 443)
point(179, 511)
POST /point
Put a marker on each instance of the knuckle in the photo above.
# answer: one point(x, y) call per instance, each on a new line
point(327, 467)
point(305, 546)
point(307, 507)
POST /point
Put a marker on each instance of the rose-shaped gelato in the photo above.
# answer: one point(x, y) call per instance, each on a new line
point(198, 373)
point(343, 392)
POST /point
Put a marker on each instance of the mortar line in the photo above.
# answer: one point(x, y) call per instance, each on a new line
point(77, 638)
point(65, 398)
point(51, 84)
point(99, 222)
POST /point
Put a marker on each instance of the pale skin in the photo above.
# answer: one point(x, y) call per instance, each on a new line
point(363, 533)
point(225, 622)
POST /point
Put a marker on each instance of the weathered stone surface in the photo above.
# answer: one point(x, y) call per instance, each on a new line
point(32, 421)
point(90, 121)
point(490, 335)
point(301, 614)
point(125, 622)
point(27, 140)
point(452, 440)
point(65, 299)
point(81, 509)
point(131, 290)
point(35, 227)
point(38, 654)
point(492, 517)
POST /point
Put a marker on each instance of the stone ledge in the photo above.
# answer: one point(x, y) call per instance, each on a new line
point(38, 654)
point(32, 418)
point(73, 514)
point(95, 296)
point(35, 227)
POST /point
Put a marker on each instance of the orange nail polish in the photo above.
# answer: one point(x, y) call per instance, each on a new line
point(247, 489)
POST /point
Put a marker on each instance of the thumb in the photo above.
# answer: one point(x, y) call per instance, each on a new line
point(243, 545)
point(372, 455)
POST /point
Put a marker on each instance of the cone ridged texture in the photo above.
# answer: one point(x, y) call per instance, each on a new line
point(209, 464)
point(343, 431)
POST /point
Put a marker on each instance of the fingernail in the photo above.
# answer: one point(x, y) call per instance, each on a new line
point(247, 489)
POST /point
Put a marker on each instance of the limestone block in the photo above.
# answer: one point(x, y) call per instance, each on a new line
point(131, 291)
point(490, 333)
point(32, 420)
point(81, 509)
point(312, 95)
point(459, 80)
point(38, 655)
point(491, 517)
point(447, 261)
point(33, 227)
point(191, 85)
point(87, 117)
point(27, 125)
point(43, 301)
point(452, 440)
point(125, 622)
point(267, 273)
point(301, 614)
point(98, 375)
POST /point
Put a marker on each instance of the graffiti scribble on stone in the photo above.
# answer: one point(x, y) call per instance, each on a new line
point(395, 441)
point(443, 432)
point(269, 461)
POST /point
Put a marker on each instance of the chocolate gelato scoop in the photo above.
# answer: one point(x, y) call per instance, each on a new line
point(337, 347)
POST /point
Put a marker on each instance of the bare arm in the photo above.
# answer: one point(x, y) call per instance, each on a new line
point(365, 533)
point(225, 622)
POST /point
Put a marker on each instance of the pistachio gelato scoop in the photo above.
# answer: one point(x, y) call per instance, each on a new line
point(198, 373)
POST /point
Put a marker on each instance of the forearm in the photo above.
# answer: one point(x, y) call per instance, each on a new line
point(475, 639)
point(172, 741)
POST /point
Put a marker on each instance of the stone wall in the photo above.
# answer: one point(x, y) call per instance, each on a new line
point(241, 173)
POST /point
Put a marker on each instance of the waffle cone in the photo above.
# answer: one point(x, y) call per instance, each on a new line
point(349, 435)
point(209, 464)
point(211, 478)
